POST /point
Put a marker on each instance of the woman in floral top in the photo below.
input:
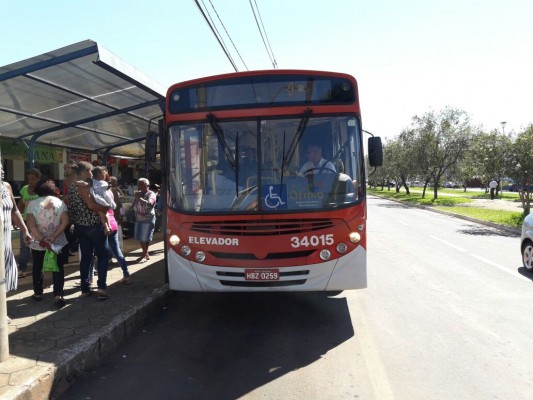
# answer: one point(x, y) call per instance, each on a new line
point(90, 231)
point(47, 221)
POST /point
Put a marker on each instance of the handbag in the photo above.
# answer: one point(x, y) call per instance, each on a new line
point(50, 261)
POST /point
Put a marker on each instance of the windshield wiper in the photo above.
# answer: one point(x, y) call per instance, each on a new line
point(287, 158)
point(292, 148)
point(222, 139)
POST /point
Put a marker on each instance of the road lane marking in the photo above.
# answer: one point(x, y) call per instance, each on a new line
point(480, 258)
point(402, 223)
point(448, 244)
point(375, 366)
point(498, 266)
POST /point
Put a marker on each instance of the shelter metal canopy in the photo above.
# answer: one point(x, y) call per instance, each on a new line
point(80, 97)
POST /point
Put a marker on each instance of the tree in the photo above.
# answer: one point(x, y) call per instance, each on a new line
point(382, 175)
point(491, 153)
point(400, 161)
point(522, 167)
point(441, 141)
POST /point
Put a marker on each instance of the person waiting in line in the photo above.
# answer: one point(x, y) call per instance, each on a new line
point(90, 231)
point(11, 215)
point(115, 188)
point(143, 205)
point(113, 240)
point(70, 177)
point(315, 163)
point(69, 173)
point(98, 187)
point(158, 207)
point(119, 210)
point(47, 221)
point(27, 194)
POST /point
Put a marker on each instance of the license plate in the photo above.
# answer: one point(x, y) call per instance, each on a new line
point(261, 274)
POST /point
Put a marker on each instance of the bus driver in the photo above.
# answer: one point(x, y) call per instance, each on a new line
point(316, 163)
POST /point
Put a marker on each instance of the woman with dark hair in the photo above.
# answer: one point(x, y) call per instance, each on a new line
point(47, 221)
point(83, 212)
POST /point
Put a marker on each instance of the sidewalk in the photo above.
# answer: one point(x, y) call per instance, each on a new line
point(496, 204)
point(50, 347)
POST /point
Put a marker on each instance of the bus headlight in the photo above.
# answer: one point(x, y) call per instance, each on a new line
point(355, 237)
point(185, 250)
point(200, 256)
point(325, 255)
point(174, 240)
point(342, 248)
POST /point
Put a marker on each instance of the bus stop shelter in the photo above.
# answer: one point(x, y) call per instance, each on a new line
point(80, 97)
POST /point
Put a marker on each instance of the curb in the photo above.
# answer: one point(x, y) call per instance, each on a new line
point(74, 362)
point(51, 379)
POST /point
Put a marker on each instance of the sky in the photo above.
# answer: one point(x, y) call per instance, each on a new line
point(409, 57)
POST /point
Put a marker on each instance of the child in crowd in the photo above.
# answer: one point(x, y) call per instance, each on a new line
point(99, 187)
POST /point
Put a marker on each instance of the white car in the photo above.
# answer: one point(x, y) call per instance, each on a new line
point(526, 242)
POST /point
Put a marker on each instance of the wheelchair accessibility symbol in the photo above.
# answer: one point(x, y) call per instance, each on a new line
point(274, 200)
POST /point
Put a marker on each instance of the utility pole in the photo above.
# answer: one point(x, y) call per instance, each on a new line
point(503, 126)
point(503, 134)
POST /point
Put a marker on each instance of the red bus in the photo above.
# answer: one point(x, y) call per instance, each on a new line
point(264, 177)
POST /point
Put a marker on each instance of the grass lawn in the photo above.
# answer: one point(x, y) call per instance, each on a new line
point(452, 203)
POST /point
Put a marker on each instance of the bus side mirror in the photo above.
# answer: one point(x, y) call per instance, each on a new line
point(375, 151)
point(151, 147)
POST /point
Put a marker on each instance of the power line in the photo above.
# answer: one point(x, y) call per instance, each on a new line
point(217, 35)
point(268, 48)
point(227, 33)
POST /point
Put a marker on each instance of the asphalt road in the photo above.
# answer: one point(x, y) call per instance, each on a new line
point(447, 315)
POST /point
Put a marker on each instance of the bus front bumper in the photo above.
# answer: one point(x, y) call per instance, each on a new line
point(347, 272)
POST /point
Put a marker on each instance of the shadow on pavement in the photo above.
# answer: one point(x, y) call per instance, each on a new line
point(223, 345)
point(480, 231)
point(525, 272)
point(50, 346)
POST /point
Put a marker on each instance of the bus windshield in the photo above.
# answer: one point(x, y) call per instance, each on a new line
point(269, 165)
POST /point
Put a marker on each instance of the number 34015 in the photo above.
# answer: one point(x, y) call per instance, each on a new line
point(315, 240)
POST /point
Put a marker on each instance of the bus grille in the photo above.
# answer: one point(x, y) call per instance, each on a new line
point(269, 256)
point(262, 228)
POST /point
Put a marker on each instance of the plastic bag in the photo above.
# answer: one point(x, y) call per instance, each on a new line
point(50, 261)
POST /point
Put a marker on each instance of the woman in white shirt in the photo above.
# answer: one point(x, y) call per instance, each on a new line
point(47, 221)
